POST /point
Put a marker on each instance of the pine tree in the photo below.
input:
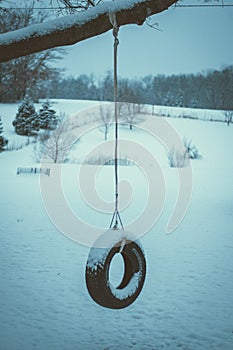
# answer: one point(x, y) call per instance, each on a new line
point(180, 99)
point(194, 102)
point(3, 140)
point(26, 121)
point(48, 117)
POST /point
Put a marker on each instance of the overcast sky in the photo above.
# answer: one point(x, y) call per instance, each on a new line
point(191, 40)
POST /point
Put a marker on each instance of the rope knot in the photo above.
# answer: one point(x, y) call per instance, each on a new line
point(113, 21)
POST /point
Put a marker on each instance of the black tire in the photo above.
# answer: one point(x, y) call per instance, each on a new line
point(97, 274)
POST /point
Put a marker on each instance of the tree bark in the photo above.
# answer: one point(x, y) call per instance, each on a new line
point(72, 29)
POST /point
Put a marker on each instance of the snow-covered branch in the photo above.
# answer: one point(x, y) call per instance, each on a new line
point(74, 28)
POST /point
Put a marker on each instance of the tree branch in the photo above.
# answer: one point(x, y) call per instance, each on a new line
point(71, 29)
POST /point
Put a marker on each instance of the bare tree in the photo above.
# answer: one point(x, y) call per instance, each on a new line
point(106, 118)
point(228, 116)
point(55, 146)
point(130, 113)
point(29, 72)
point(72, 6)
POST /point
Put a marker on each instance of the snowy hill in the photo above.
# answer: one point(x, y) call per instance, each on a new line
point(187, 298)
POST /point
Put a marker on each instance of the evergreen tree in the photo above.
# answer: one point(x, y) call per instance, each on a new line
point(48, 117)
point(26, 121)
point(3, 140)
point(194, 102)
point(180, 99)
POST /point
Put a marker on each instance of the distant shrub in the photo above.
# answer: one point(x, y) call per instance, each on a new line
point(191, 150)
point(107, 160)
point(14, 146)
point(44, 136)
point(177, 158)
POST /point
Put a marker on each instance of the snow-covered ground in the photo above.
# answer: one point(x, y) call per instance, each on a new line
point(187, 299)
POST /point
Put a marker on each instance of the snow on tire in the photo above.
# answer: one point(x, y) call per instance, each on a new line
point(99, 260)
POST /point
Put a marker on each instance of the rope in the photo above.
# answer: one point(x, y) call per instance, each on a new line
point(116, 215)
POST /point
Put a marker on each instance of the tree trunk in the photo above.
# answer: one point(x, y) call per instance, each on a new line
point(106, 133)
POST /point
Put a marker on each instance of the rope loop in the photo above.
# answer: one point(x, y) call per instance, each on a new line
point(113, 21)
point(116, 215)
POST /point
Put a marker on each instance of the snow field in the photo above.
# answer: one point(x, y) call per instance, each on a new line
point(186, 302)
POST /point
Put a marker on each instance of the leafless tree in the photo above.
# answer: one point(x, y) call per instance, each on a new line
point(106, 119)
point(130, 113)
point(228, 116)
point(24, 73)
point(56, 145)
point(72, 6)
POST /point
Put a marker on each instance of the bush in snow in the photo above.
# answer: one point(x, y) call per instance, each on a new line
point(44, 136)
point(192, 151)
point(3, 140)
point(177, 158)
point(100, 159)
point(47, 116)
point(26, 121)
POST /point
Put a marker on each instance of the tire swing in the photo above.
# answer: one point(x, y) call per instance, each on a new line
point(115, 241)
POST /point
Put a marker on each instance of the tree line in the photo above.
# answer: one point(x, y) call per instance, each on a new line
point(212, 89)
